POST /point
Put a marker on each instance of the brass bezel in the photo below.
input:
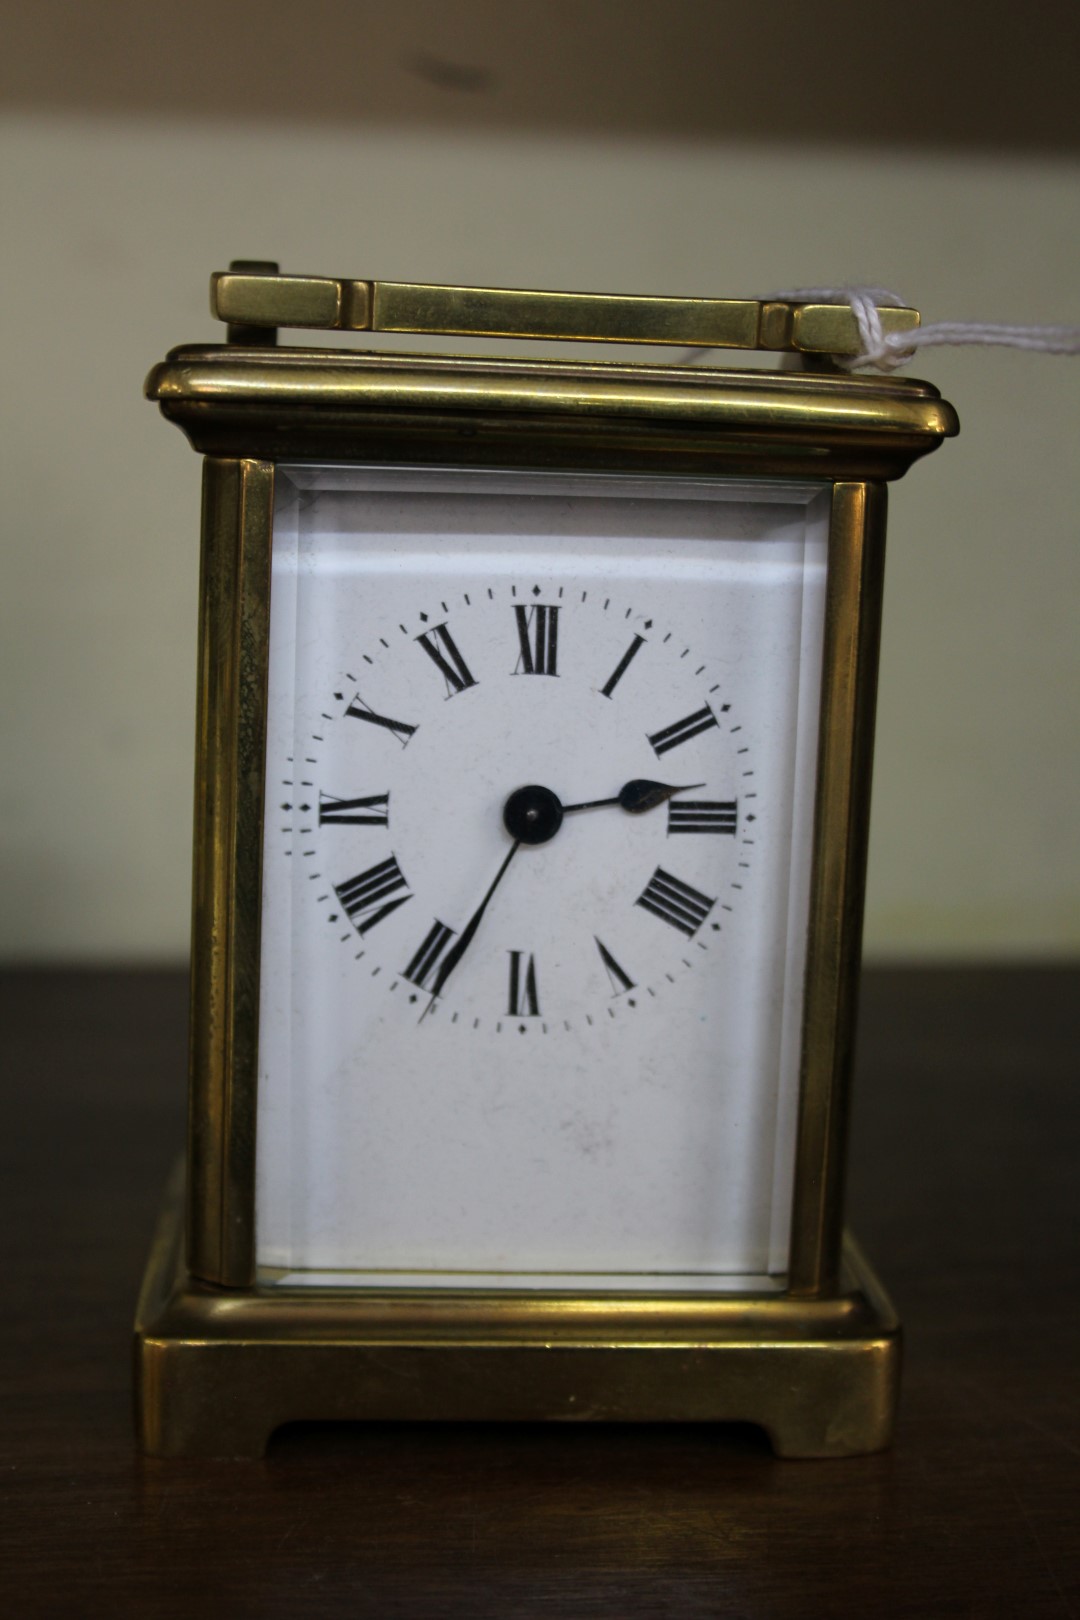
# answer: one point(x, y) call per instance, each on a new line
point(220, 1361)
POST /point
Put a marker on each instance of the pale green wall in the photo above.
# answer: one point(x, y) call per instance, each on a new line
point(113, 221)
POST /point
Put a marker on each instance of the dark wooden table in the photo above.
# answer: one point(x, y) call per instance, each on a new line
point(963, 1190)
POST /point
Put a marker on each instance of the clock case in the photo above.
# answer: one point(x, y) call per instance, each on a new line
point(220, 1362)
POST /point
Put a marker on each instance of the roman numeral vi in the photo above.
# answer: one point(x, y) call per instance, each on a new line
point(523, 1000)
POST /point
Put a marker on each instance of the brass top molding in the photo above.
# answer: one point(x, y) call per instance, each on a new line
point(248, 298)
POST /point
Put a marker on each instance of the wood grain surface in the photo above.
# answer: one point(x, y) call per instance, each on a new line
point(963, 1191)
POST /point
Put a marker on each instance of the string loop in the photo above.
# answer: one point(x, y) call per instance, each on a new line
point(888, 351)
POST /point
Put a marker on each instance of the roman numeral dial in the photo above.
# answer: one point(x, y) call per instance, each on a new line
point(622, 666)
point(681, 731)
point(511, 736)
point(371, 896)
point(538, 639)
point(523, 1001)
point(675, 902)
point(703, 815)
point(442, 649)
point(421, 970)
point(373, 811)
point(359, 710)
point(619, 978)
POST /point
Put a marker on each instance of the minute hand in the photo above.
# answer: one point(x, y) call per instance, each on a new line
point(453, 956)
point(636, 796)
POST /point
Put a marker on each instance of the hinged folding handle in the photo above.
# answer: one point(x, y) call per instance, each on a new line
point(256, 301)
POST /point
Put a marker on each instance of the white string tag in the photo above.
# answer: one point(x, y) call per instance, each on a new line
point(888, 351)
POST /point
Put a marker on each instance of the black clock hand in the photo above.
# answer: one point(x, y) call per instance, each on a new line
point(532, 815)
point(636, 796)
point(454, 955)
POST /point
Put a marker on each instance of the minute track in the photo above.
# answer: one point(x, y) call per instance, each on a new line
point(431, 958)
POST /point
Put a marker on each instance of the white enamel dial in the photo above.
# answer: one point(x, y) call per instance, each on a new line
point(539, 785)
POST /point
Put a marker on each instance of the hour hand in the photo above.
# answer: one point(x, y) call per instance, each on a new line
point(640, 794)
point(637, 796)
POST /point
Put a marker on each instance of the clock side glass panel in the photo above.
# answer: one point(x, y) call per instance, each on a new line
point(545, 1039)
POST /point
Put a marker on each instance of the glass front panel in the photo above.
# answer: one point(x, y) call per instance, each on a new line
point(545, 1038)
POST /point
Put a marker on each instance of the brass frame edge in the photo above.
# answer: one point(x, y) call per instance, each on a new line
point(227, 910)
point(838, 878)
point(311, 404)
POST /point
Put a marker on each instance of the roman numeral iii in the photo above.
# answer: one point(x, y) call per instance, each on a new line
point(523, 1001)
point(675, 902)
point(682, 731)
point(442, 649)
point(426, 960)
point(538, 637)
point(367, 898)
point(702, 815)
point(370, 812)
point(359, 710)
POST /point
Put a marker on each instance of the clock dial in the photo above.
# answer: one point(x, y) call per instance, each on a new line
point(535, 884)
point(451, 803)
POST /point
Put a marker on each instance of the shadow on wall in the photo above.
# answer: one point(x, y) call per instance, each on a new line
point(837, 70)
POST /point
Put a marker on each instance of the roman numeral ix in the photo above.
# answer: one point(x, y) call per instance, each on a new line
point(702, 815)
point(370, 812)
point(675, 902)
point(442, 649)
point(523, 1001)
point(426, 960)
point(682, 731)
point(359, 710)
point(538, 636)
point(367, 897)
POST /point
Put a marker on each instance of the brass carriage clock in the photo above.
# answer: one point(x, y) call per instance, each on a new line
point(535, 722)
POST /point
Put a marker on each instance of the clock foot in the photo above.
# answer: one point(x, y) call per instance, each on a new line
point(218, 1370)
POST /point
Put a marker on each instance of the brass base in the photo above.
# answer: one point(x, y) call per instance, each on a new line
point(216, 1370)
